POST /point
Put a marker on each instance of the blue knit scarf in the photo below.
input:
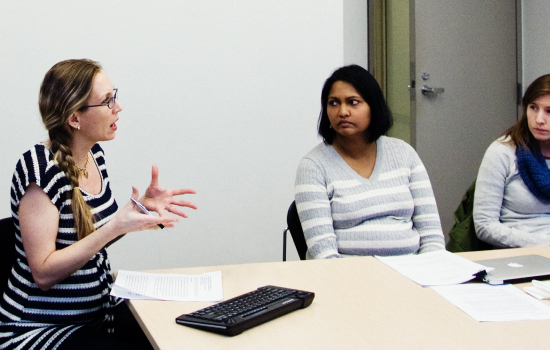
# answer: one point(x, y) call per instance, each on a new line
point(534, 172)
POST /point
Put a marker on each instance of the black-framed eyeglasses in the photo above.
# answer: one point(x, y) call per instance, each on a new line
point(109, 103)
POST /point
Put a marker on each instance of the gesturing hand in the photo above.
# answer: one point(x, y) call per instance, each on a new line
point(160, 199)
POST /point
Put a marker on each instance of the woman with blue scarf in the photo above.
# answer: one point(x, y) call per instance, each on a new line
point(512, 197)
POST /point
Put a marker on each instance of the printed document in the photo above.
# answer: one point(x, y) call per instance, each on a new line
point(163, 286)
point(437, 268)
point(485, 302)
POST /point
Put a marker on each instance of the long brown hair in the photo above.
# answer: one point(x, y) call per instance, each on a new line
point(64, 90)
point(520, 134)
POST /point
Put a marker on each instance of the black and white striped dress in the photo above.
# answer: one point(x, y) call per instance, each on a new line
point(29, 317)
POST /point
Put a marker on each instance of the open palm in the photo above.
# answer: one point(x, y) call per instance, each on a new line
point(159, 199)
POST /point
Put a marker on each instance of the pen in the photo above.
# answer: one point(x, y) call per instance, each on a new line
point(145, 211)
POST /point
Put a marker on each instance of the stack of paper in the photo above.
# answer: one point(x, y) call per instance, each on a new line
point(163, 286)
point(437, 268)
point(485, 302)
point(540, 290)
point(445, 272)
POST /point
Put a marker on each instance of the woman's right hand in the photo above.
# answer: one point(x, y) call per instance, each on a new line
point(38, 220)
point(130, 219)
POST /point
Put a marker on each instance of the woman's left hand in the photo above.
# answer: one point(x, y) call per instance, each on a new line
point(160, 199)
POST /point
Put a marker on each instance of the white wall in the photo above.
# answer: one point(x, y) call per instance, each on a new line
point(356, 32)
point(222, 95)
point(535, 41)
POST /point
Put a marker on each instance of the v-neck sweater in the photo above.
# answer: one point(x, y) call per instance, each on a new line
point(393, 212)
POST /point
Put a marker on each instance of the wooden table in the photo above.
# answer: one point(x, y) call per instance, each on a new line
point(360, 303)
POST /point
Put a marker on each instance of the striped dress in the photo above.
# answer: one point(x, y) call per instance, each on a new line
point(29, 317)
point(391, 213)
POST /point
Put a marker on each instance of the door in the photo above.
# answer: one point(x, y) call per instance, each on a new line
point(467, 48)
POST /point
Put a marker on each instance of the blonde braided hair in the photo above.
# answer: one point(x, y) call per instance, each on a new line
point(66, 89)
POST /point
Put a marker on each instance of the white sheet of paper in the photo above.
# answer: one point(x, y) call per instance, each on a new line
point(485, 302)
point(161, 286)
point(437, 268)
point(540, 289)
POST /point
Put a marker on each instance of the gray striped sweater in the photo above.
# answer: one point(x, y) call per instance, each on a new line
point(391, 213)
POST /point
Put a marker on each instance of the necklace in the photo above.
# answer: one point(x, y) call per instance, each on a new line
point(84, 170)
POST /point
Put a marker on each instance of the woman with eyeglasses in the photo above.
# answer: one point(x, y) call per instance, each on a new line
point(65, 216)
point(359, 192)
point(512, 194)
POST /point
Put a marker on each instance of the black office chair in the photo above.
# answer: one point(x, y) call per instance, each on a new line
point(295, 228)
point(7, 251)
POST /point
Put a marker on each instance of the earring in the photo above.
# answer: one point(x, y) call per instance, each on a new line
point(78, 128)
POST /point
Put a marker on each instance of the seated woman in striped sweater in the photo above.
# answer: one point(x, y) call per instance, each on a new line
point(358, 192)
point(65, 215)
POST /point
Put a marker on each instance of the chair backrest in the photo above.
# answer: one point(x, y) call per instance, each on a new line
point(295, 228)
point(7, 250)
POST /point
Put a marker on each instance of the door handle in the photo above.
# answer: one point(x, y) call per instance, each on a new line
point(429, 91)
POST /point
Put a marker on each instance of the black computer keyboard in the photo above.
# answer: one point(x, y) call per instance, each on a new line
point(233, 316)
